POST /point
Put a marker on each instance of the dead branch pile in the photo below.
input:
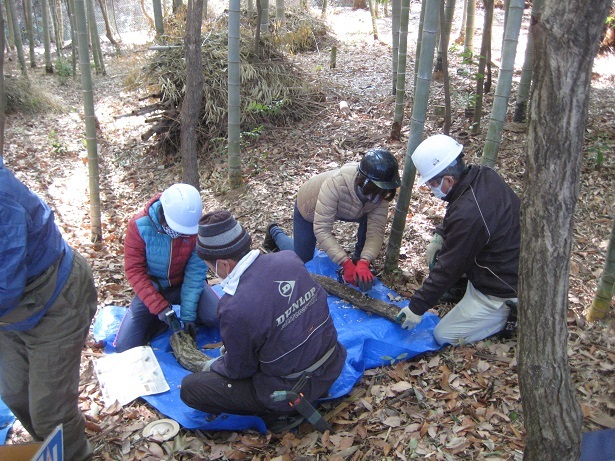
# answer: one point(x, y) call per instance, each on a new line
point(273, 91)
point(302, 32)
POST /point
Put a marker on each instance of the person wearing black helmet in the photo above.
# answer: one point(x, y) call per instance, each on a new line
point(357, 192)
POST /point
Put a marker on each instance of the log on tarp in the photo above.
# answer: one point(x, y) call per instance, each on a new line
point(356, 298)
point(187, 352)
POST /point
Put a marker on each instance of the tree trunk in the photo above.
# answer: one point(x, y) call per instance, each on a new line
point(418, 41)
point(485, 52)
point(468, 43)
point(46, 40)
point(29, 16)
point(193, 96)
point(18, 41)
point(234, 78)
point(57, 29)
point(70, 4)
point(90, 121)
point(103, 10)
point(606, 287)
point(356, 298)
point(264, 17)
point(558, 115)
point(464, 18)
point(374, 15)
point(159, 25)
point(257, 33)
point(449, 12)
point(95, 39)
point(444, 36)
point(279, 12)
point(186, 351)
point(502, 89)
point(58, 22)
point(395, 32)
point(402, 57)
point(147, 16)
point(528, 64)
point(9, 26)
point(417, 125)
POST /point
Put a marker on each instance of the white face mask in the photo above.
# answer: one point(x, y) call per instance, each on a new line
point(437, 191)
point(216, 271)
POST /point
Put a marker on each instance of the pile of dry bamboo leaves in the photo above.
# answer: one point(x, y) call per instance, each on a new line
point(273, 90)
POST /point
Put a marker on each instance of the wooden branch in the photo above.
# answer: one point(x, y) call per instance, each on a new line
point(186, 352)
point(358, 299)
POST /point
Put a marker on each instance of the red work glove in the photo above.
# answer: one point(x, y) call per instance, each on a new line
point(365, 278)
point(349, 271)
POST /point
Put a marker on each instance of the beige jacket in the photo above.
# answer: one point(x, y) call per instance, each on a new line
point(329, 197)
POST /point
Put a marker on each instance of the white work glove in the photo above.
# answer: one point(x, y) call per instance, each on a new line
point(433, 249)
point(209, 363)
point(408, 319)
point(222, 350)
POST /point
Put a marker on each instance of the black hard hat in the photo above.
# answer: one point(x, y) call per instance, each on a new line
point(380, 167)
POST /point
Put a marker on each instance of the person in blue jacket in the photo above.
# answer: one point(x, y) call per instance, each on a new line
point(47, 301)
point(163, 269)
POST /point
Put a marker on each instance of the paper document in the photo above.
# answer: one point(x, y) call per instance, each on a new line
point(130, 374)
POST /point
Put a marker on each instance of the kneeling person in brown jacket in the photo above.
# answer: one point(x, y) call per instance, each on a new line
point(356, 192)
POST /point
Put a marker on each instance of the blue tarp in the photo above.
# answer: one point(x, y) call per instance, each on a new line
point(6, 421)
point(371, 341)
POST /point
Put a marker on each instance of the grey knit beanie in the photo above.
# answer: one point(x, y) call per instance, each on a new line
point(221, 237)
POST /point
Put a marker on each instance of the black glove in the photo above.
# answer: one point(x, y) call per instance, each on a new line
point(169, 317)
point(190, 328)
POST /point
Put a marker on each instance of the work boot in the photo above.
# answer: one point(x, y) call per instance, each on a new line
point(285, 423)
point(269, 243)
point(455, 293)
point(510, 327)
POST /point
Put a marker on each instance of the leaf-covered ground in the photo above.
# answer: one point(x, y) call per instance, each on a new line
point(458, 403)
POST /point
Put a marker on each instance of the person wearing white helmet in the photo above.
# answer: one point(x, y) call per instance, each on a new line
point(164, 270)
point(479, 237)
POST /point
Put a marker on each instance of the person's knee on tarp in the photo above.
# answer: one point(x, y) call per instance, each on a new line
point(162, 267)
point(275, 325)
point(357, 192)
point(479, 237)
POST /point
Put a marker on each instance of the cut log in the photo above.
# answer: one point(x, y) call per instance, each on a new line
point(187, 352)
point(356, 298)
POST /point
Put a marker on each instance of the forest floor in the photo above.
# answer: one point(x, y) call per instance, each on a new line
point(465, 402)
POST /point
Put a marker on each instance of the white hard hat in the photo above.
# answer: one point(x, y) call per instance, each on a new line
point(433, 155)
point(182, 208)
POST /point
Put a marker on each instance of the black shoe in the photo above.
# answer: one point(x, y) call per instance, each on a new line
point(452, 296)
point(285, 423)
point(269, 243)
point(510, 328)
point(455, 293)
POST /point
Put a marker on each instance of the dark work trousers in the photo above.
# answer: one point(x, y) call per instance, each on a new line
point(303, 241)
point(211, 392)
point(139, 326)
point(39, 368)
